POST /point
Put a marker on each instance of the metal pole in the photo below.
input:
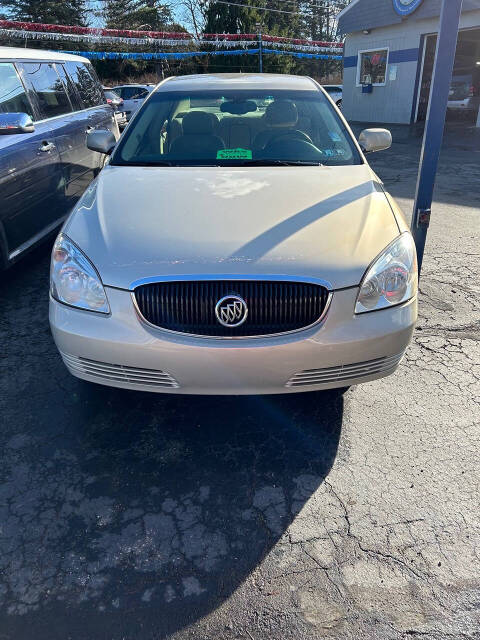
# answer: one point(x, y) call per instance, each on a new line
point(435, 122)
point(260, 52)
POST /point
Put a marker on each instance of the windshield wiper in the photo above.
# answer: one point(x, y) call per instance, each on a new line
point(268, 162)
point(160, 163)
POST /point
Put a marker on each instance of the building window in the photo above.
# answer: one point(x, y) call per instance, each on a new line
point(372, 67)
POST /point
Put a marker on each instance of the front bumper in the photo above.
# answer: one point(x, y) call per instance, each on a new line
point(121, 350)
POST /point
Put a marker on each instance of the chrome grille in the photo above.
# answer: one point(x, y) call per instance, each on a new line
point(344, 372)
point(273, 306)
point(119, 372)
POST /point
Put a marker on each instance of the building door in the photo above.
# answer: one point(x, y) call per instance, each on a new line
point(464, 98)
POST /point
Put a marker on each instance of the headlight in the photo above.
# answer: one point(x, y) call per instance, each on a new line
point(392, 278)
point(73, 278)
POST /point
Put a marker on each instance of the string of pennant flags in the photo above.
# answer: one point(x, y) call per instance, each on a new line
point(229, 44)
point(158, 39)
point(179, 55)
point(60, 28)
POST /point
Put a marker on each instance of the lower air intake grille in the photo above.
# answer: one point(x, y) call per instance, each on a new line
point(119, 372)
point(273, 306)
point(344, 372)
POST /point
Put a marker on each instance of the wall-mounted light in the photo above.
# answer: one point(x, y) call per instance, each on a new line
point(366, 32)
point(478, 63)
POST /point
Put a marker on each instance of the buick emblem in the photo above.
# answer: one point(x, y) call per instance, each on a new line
point(231, 311)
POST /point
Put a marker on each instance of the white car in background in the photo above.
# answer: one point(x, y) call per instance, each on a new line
point(133, 95)
point(464, 94)
point(335, 91)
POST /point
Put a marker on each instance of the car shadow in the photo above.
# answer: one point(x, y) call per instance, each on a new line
point(133, 515)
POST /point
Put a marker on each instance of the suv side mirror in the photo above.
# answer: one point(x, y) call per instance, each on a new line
point(375, 140)
point(101, 140)
point(15, 123)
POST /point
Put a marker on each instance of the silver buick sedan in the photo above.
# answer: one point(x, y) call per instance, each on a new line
point(236, 242)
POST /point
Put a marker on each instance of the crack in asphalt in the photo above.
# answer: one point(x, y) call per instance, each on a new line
point(141, 517)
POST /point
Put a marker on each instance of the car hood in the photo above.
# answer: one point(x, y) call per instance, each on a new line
point(327, 223)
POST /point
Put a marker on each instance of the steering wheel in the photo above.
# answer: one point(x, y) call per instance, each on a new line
point(293, 149)
point(294, 133)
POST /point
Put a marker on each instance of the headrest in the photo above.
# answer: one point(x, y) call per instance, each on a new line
point(281, 113)
point(197, 122)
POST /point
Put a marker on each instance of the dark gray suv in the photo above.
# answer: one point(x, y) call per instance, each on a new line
point(49, 102)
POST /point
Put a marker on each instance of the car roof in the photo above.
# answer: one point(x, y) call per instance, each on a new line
point(226, 81)
point(18, 53)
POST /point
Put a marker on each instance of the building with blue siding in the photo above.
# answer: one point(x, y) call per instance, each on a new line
point(388, 60)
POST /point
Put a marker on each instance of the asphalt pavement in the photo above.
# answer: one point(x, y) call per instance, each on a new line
point(132, 516)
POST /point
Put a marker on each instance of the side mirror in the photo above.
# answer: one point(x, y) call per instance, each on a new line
point(15, 123)
point(101, 140)
point(375, 140)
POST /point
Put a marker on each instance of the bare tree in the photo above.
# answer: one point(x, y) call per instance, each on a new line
point(192, 14)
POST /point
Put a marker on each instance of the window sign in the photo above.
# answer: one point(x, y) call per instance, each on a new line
point(372, 67)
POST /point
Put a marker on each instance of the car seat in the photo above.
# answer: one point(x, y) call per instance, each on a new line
point(281, 117)
point(198, 139)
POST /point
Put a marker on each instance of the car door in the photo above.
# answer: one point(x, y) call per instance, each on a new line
point(138, 97)
point(68, 119)
point(101, 115)
point(32, 197)
point(123, 92)
point(132, 98)
point(96, 113)
point(76, 158)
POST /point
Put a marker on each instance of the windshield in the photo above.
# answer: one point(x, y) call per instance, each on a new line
point(236, 128)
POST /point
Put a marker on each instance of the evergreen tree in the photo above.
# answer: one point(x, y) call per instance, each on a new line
point(67, 12)
point(318, 18)
point(148, 15)
point(318, 23)
point(223, 18)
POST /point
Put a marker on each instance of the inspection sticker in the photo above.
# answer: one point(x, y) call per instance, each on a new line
point(234, 154)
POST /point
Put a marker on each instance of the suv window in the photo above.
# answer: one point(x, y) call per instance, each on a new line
point(87, 84)
point(131, 93)
point(67, 82)
point(13, 98)
point(141, 93)
point(44, 83)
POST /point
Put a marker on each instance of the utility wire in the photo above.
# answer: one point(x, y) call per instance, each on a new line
point(247, 6)
point(318, 3)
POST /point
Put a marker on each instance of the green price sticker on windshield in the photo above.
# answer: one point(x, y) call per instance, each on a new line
point(234, 154)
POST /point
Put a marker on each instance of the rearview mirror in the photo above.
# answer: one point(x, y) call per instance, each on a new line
point(375, 140)
point(15, 123)
point(101, 140)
